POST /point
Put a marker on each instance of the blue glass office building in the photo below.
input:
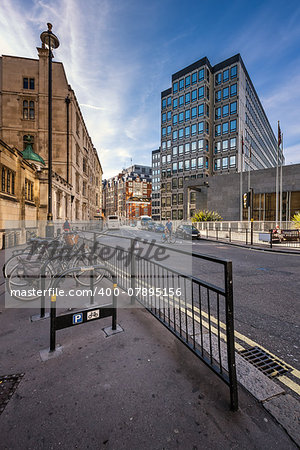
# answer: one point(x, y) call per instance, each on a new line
point(203, 118)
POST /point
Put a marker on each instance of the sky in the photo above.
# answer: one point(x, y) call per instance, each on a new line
point(120, 54)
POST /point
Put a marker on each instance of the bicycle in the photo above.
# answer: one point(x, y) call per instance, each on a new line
point(168, 237)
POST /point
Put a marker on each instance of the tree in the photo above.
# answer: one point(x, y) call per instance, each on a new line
point(206, 216)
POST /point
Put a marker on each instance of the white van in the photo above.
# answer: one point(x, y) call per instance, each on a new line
point(113, 223)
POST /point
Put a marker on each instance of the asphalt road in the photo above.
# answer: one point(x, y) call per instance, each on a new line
point(266, 294)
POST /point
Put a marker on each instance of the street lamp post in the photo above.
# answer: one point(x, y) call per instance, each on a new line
point(51, 41)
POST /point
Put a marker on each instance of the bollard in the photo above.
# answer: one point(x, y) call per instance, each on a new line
point(52, 323)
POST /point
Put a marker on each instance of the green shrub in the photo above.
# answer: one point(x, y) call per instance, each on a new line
point(206, 216)
point(296, 220)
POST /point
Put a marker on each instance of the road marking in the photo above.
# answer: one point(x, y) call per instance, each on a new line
point(289, 383)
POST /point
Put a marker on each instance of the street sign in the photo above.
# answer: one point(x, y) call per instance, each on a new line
point(95, 314)
point(77, 318)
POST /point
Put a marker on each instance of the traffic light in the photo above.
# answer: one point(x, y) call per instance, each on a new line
point(246, 199)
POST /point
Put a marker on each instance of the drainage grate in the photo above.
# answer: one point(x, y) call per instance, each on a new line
point(264, 362)
point(8, 385)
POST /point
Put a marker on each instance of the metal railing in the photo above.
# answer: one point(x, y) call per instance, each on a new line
point(198, 312)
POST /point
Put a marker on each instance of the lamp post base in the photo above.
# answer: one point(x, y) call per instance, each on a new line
point(50, 230)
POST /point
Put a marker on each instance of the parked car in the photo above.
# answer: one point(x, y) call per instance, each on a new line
point(150, 226)
point(159, 228)
point(187, 232)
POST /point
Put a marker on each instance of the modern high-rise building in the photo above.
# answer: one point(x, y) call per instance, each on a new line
point(205, 116)
point(155, 184)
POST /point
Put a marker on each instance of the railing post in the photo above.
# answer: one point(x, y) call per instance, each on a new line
point(230, 337)
point(114, 302)
point(133, 271)
point(53, 324)
point(251, 231)
point(217, 233)
point(271, 239)
point(206, 232)
point(42, 311)
point(230, 234)
point(246, 236)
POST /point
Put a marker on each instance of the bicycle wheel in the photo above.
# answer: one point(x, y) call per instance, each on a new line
point(25, 280)
point(13, 261)
point(172, 239)
point(84, 276)
point(163, 238)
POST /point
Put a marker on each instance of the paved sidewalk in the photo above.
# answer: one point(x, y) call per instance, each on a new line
point(138, 389)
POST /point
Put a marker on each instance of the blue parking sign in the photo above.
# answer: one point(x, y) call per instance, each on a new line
point(77, 318)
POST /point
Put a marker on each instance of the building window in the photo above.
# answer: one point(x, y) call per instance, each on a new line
point(169, 116)
point(77, 124)
point(201, 75)
point(164, 145)
point(218, 164)
point(163, 118)
point(181, 133)
point(187, 164)
point(84, 165)
point(194, 78)
point(181, 100)
point(180, 149)
point(175, 87)
point(175, 103)
point(194, 95)
point(217, 113)
point(174, 151)
point(225, 110)
point(201, 109)
point(218, 96)
point(194, 146)
point(232, 161)
point(194, 112)
point(187, 114)
point(225, 75)
point(193, 163)
point(218, 130)
point(225, 145)
point(201, 92)
point(225, 93)
point(187, 98)
point(174, 167)
point(164, 103)
point(218, 147)
point(233, 72)
point(163, 131)
point(201, 144)
point(28, 109)
point(28, 83)
point(28, 190)
point(169, 101)
point(181, 84)
point(187, 132)
point(175, 135)
point(180, 166)
point(200, 162)
point(181, 116)
point(175, 118)
point(188, 81)
point(218, 79)
point(174, 199)
point(233, 107)
point(225, 163)
point(180, 183)
point(193, 197)
point(225, 128)
point(174, 183)
point(169, 144)
point(233, 143)
point(232, 125)
point(233, 90)
point(168, 130)
point(200, 127)
point(187, 148)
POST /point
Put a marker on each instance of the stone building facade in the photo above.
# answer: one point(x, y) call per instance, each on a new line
point(128, 195)
point(77, 180)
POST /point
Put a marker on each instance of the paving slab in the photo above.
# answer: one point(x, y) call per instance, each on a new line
point(139, 389)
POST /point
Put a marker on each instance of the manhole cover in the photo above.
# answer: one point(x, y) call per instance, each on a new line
point(264, 362)
point(8, 385)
